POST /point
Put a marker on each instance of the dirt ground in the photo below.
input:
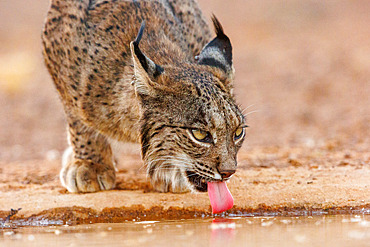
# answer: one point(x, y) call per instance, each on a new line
point(302, 76)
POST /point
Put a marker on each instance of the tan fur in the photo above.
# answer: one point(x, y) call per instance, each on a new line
point(108, 94)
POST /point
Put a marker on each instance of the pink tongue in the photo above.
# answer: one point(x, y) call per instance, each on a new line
point(220, 197)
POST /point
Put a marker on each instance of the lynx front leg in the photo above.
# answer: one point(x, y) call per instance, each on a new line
point(88, 164)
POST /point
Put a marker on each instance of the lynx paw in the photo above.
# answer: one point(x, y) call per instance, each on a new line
point(173, 182)
point(86, 176)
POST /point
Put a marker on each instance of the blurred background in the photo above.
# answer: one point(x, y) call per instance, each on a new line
point(302, 75)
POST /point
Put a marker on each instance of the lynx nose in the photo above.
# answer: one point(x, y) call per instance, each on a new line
point(226, 173)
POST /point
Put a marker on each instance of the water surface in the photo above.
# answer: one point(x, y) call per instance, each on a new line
point(338, 230)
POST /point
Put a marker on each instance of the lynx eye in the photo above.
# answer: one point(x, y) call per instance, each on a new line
point(201, 135)
point(239, 133)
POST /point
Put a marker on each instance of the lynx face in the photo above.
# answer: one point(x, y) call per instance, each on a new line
point(191, 127)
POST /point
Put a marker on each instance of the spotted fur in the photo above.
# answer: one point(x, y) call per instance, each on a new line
point(146, 71)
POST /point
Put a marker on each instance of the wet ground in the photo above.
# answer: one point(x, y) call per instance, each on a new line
point(336, 231)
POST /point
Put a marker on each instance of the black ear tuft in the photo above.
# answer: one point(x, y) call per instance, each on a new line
point(146, 71)
point(218, 27)
point(218, 52)
point(140, 34)
point(148, 65)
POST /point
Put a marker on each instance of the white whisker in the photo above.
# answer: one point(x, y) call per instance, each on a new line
point(251, 112)
point(246, 108)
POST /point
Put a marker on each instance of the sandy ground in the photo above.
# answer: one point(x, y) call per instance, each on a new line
point(302, 75)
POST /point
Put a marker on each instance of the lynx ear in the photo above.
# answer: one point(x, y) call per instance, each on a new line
point(146, 71)
point(218, 52)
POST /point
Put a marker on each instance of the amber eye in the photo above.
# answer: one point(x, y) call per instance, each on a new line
point(239, 133)
point(201, 135)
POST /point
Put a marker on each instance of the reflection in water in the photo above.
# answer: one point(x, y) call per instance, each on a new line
point(222, 232)
point(340, 230)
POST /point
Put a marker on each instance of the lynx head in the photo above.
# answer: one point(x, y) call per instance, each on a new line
point(191, 128)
